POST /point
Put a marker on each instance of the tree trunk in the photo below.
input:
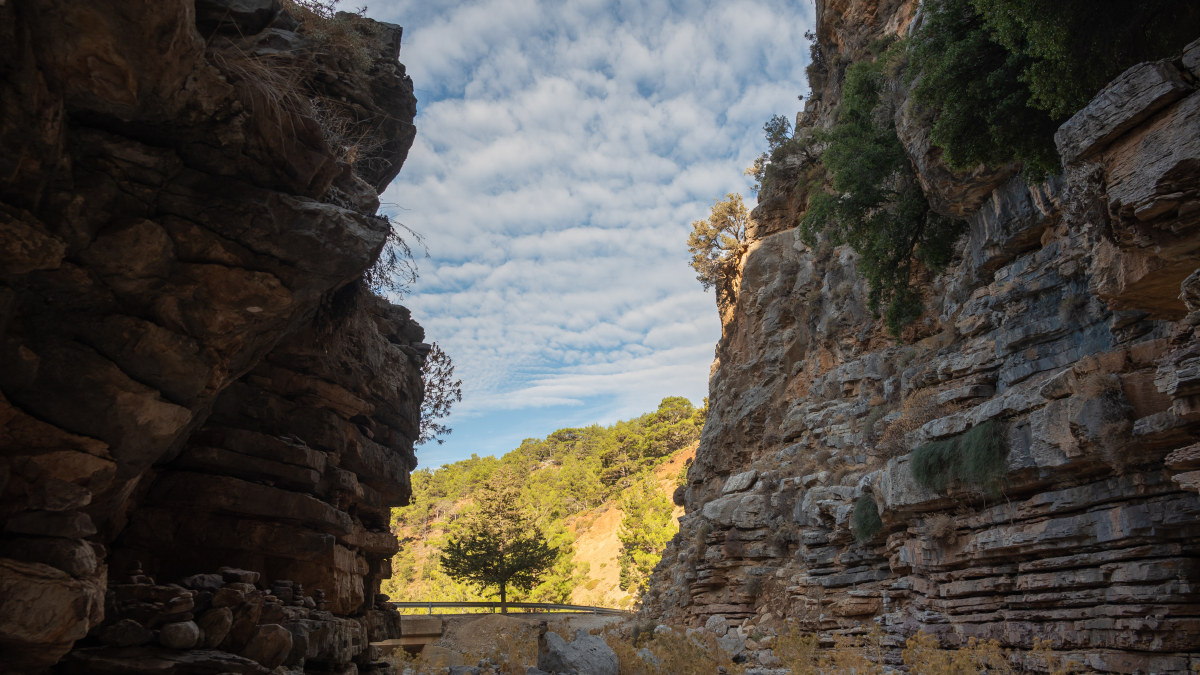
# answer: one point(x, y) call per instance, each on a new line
point(503, 607)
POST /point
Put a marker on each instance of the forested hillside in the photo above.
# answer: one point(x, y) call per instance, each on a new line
point(573, 480)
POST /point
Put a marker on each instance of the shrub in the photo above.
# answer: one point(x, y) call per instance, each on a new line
point(920, 407)
point(346, 34)
point(984, 453)
point(866, 519)
point(941, 526)
point(977, 458)
point(935, 465)
point(877, 413)
point(877, 205)
point(753, 586)
point(734, 548)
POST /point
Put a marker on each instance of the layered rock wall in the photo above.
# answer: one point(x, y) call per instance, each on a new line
point(1067, 324)
point(192, 376)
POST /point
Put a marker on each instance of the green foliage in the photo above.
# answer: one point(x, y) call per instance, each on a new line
point(976, 458)
point(568, 472)
point(866, 519)
point(718, 240)
point(1076, 47)
point(441, 392)
point(1003, 75)
point(975, 84)
point(878, 207)
point(501, 544)
point(644, 533)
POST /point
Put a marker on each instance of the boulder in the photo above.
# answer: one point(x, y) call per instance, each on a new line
point(270, 645)
point(740, 482)
point(181, 635)
point(586, 654)
point(215, 623)
point(717, 625)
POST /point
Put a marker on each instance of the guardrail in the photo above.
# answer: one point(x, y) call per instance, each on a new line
point(544, 606)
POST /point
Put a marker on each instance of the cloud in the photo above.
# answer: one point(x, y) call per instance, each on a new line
point(563, 148)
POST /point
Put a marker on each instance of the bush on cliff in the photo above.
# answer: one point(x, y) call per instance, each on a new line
point(877, 205)
point(977, 458)
point(1002, 75)
point(865, 518)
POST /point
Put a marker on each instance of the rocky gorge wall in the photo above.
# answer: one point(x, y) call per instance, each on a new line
point(205, 416)
point(1068, 322)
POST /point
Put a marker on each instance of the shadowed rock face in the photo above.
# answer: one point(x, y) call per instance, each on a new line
point(190, 375)
point(1068, 320)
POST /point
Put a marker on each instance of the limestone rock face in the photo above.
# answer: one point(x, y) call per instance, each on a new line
point(585, 654)
point(192, 375)
point(1066, 327)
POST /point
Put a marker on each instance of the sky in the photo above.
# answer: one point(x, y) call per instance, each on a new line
point(563, 148)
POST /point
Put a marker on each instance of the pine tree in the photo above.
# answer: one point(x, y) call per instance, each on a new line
point(646, 528)
point(501, 544)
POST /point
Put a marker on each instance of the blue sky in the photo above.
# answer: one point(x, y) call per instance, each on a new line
point(563, 149)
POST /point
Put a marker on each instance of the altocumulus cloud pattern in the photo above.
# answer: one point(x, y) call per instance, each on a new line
point(563, 149)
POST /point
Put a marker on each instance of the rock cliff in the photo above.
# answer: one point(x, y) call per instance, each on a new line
point(1065, 332)
point(204, 415)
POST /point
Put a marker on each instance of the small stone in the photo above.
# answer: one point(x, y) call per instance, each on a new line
point(228, 597)
point(183, 603)
point(179, 617)
point(125, 633)
point(182, 635)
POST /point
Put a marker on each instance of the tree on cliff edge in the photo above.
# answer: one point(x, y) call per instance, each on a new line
point(718, 240)
point(441, 392)
point(501, 544)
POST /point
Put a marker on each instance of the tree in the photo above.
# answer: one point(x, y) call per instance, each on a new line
point(1076, 47)
point(877, 205)
point(719, 239)
point(646, 528)
point(441, 392)
point(975, 85)
point(1003, 75)
point(500, 544)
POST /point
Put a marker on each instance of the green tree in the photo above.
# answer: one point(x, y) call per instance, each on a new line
point(1003, 75)
point(877, 205)
point(983, 107)
point(646, 528)
point(501, 545)
point(716, 241)
point(1077, 47)
point(441, 392)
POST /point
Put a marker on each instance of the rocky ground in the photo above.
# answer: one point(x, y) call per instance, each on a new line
point(1067, 325)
